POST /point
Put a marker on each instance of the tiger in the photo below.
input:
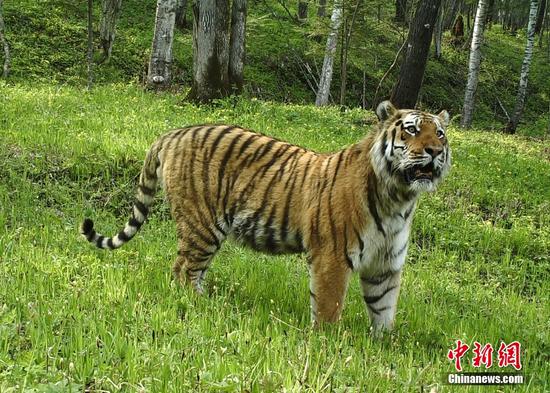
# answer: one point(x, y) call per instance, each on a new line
point(349, 211)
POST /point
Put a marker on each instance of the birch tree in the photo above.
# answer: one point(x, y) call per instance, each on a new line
point(438, 33)
point(110, 10)
point(473, 65)
point(237, 45)
point(522, 89)
point(159, 72)
point(411, 73)
point(328, 64)
point(6, 67)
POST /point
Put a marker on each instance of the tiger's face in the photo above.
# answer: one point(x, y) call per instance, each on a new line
point(412, 148)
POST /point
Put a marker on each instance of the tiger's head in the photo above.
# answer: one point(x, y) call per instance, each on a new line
point(411, 149)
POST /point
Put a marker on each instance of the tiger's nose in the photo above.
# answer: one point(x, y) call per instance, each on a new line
point(433, 151)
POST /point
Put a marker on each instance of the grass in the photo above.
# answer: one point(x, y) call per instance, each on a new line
point(73, 317)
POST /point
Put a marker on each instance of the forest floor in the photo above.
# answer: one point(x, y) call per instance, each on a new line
point(73, 317)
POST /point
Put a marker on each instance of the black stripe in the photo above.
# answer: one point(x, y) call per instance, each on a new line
point(286, 211)
point(377, 311)
point(198, 248)
point(99, 240)
point(374, 299)
point(123, 236)
point(306, 168)
point(110, 243)
point(134, 223)
point(384, 144)
point(335, 175)
point(262, 150)
point(206, 135)
point(266, 148)
point(372, 204)
point(376, 280)
point(282, 166)
point(312, 294)
point(225, 159)
point(146, 190)
point(346, 255)
point(141, 207)
point(247, 143)
point(90, 235)
point(361, 242)
point(401, 250)
point(270, 238)
point(408, 213)
point(392, 140)
point(195, 270)
point(216, 142)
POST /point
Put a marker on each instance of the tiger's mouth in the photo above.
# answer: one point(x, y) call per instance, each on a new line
point(420, 172)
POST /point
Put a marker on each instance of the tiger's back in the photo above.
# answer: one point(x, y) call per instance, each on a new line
point(223, 180)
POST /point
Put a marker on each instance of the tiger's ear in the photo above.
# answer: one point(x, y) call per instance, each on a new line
point(385, 110)
point(444, 117)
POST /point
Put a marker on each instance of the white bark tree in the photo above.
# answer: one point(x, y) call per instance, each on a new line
point(438, 31)
point(524, 76)
point(474, 64)
point(328, 63)
point(5, 45)
point(110, 10)
point(159, 72)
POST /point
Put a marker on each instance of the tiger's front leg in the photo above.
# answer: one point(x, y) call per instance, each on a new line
point(380, 294)
point(328, 284)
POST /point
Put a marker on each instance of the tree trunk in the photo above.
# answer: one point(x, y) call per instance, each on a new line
point(540, 16)
point(489, 14)
point(522, 89)
point(237, 45)
point(401, 11)
point(450, 14)
point(473, 66)
point(181, 11)
point(405, 92)
point(328, 63)
point(159, 73)
point(210, 50)
point(7, 58)
point(302, 10)
point(438, 34)
point(346, 39)
point(90, 44)
point(322, 9)
point(110, 10)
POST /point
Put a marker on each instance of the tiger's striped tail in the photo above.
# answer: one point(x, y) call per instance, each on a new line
point(147, 188)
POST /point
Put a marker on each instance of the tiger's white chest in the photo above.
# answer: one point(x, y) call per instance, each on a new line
point(383, 251)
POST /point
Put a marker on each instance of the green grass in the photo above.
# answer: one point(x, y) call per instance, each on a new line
point(73, 317)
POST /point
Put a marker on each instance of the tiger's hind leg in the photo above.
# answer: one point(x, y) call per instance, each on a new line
point(196, 249)
point(189, 270)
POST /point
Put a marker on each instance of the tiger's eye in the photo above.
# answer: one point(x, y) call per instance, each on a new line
point(440, 134)
point(412, 129)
